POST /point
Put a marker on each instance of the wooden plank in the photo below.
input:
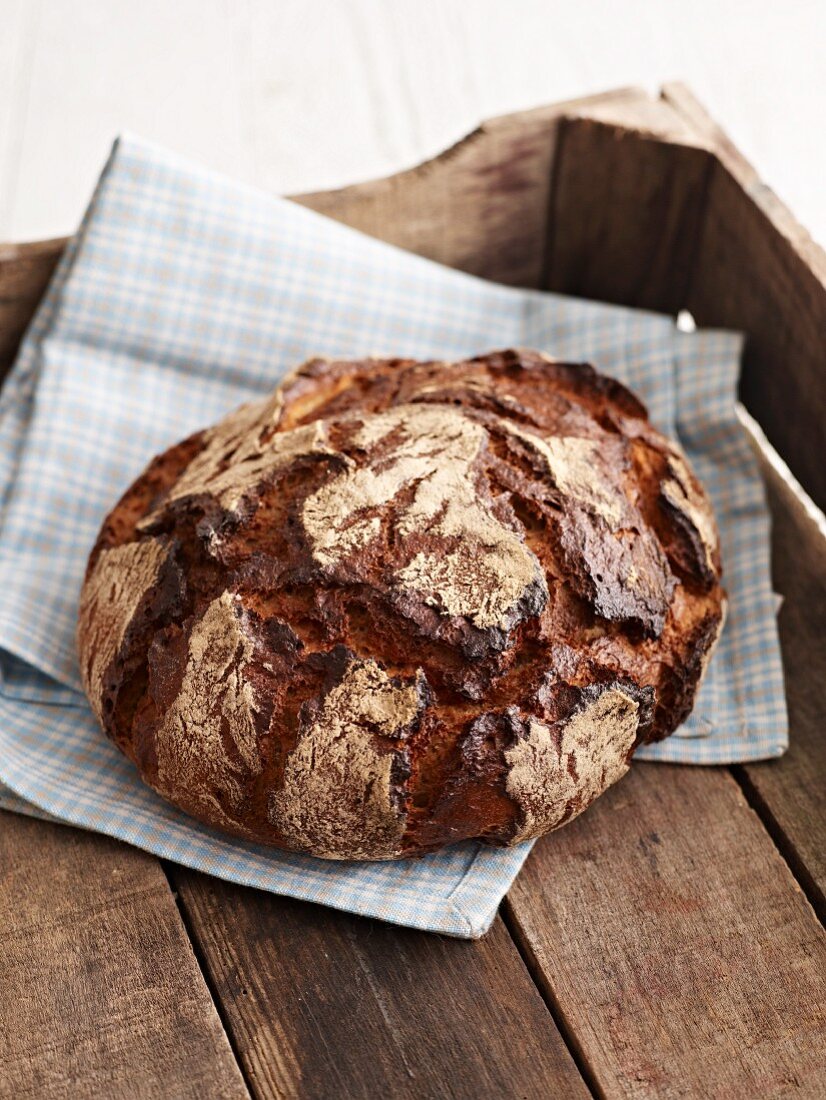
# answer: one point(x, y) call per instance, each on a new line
point(675, 944)
point(25, 271)
point(100, 993)
point(321, 1003)
point(789, 793)
point(481, 206)
point(758, 270)
point(626, 210)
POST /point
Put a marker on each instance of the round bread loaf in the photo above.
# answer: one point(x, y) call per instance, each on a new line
point(398, 604)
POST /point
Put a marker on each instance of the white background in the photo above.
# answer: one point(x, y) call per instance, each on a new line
point(306, 94)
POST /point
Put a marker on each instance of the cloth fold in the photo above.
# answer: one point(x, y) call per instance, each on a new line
point(184, 294)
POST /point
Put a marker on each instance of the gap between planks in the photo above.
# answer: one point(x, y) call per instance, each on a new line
point(204, 969)
point(325, 1003)
point(546, 992)
point(782, 842)
point(664, 929)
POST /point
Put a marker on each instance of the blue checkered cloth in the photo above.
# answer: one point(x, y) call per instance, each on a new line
point(184, 294)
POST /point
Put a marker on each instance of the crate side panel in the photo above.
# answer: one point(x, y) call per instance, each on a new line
point(759, 270)
point(749, 275)
point(322, 1003)
point(627, 206)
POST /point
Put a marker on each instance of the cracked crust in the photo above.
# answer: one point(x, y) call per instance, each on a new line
point(398, 604)
point(553, 774)
point(339, 797)
point(112, 596)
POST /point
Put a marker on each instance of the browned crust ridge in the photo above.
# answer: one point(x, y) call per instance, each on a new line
point(400, 604)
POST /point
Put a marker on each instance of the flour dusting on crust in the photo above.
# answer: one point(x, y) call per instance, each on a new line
point(551, 784)
point(242, 451)
point(449, 607)
point(460, 583)
point(573, 464)
point(337, 798)
point(680, 492)
point(207, 744)
point(433, 450)
point(120, 580)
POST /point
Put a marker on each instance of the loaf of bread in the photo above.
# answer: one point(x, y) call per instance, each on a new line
point(396, 605)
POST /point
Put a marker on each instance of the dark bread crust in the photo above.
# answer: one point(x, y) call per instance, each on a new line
point(402, 604)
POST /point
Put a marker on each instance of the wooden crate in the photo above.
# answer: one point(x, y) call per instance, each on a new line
point(667, 942)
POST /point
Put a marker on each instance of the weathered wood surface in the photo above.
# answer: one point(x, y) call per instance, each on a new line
point(323, 1004)
point(790, 793)
point(645, 193)
point(100, 992)
point(627, 206)
point(758, 270)
point(671, 937)
point(25, 270)
point(481, 206)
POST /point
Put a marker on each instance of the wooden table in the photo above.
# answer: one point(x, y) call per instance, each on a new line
point(667, 943)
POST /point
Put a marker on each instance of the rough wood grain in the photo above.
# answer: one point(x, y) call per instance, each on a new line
point(758, 270)
point(25, 271)
point(324, 1004)
point(675, 944)
point(626, 210)
point(100, 993)
point(789, 793)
